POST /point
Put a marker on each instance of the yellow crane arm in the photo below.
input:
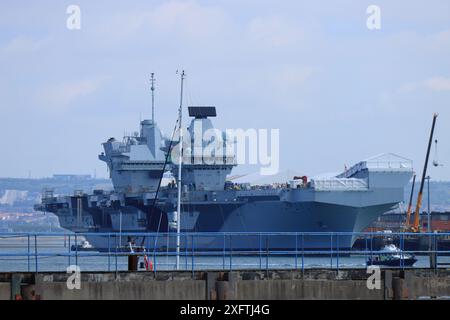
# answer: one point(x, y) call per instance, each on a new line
point(408, 213)
point(415, 227)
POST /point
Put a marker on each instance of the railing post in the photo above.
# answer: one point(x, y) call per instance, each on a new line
point(35, 253)
point(303, 252)
point(154, 252)
point(260, 251)
point(337, 252)
point(331, 251)
point(432, 250)
point(193, 263)
point(223, 257)
point(76, 250)
point(402, 247)
point(366, 248)
point(28, 236)
point(116, 252)
point(70, 250)
point(267, 254)
point(371, 246)
point(296, 251)
point(231, 253)
point(435, 253)
point(109, 251)
point(186, 245)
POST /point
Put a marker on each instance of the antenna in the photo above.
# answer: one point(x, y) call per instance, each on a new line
point(152, 80)
point(180, 114)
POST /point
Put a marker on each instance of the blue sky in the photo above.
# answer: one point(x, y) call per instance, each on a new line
point(337, 91)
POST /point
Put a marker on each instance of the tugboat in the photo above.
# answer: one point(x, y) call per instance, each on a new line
point(393, 257)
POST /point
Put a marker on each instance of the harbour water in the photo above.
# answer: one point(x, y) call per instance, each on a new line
point(53, 254)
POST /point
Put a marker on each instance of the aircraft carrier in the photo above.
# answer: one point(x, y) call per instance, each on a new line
point(141, 203)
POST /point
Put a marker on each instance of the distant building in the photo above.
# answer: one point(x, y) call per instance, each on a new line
point(12, 196)
point(72, 177)
point(440, 222)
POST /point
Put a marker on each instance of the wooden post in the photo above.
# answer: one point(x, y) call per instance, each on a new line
point(132, 262)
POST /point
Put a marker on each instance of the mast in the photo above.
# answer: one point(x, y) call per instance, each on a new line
point(180, 117)
point(153, 96)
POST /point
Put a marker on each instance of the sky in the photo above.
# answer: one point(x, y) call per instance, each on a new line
point(337, 91)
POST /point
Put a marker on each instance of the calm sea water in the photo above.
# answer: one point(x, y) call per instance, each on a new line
point(52, 255)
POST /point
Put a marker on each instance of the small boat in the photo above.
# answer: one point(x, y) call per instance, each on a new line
point(83, 246)
point(393, 257)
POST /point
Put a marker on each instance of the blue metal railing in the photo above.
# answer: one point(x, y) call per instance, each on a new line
point(218, 250)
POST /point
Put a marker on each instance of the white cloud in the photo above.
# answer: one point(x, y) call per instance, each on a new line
point(22, 45)
point(293, 76)
point(441, 37)
point(64, 94)
point(187, 19)
point(274, 31)
point(436, 83)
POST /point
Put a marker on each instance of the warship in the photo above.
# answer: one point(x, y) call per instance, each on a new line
point(204, 201)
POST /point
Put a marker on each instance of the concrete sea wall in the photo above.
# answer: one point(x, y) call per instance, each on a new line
point(236, 285)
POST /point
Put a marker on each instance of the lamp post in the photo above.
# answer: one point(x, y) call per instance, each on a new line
point(429, 212)
point(431, 241)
